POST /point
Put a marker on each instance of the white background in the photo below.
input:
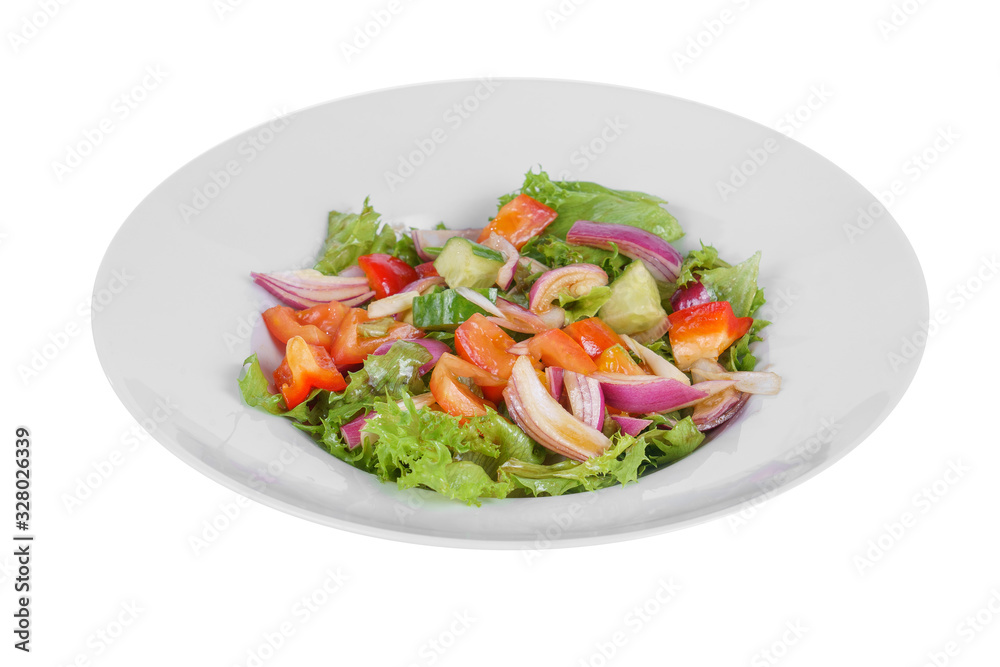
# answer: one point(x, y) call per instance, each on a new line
point(790, 563)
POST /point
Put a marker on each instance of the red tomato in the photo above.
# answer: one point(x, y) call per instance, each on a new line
point(387, 275)
point(304, 368)
point(704, 331)
point(616, 359)
point(350, 348)
point(594, 336)
point(556, 348)
point(427, 270)
point(479, 341)
point(317, 325)
point(454, 397)
point(519, 220)
point(326, 317)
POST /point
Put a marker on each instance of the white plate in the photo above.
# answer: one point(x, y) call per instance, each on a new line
point(844, 294)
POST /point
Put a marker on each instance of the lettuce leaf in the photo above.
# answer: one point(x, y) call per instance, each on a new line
point(351, 235)
point(253, 387)
point(736, 284)
point(699, 260)
point(580, 200)
point(673, 444)
point(554, 252)
point(577, 308)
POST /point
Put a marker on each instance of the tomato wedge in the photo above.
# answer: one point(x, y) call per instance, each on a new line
point(317, 325)
point(556, 348)
point(616, 359)
point(351, 348)
point(480, 342)
point(704, 331)
point(454, 397)
point(427, 270)
point(593, 335)
point(304, 368)
point(387, 275)
point(519, 220)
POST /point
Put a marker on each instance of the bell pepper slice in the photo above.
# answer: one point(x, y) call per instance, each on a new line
point(387, 275)
point(594, 336)
point(519, 220)
point(304, 368)
point(616, 359)
point(556, 348)
point(351, 348)
point(704, 331)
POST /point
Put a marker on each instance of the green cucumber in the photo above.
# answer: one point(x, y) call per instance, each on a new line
point(463, 263)
point(634, 305)
point(445, 310)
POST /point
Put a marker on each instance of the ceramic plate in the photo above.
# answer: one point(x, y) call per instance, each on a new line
point(177, 334)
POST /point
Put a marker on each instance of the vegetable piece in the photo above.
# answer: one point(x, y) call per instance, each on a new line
point(350, 235)
point(424, 285)
point(506, 275)
point(635, 301)
point(445, 310)
point(693, 294)
point(554, 376)
point(463, 263)
point(633, 425)
point(426, 270)
point(351, 348)
point(308, 288)
point(653, 333)
point(593, 335)
point(585, 399)
point(716, 410)
point(480, 342)
point(654, 362)
point(616, 359)
point(556, 348)
point(521, 319)
point(351, 431)
point(454, 397)
point(424, 239)
point(317, 325)
point(435, 347)
point(519, 220)
point(387, 275)
point(575, 280)
point(477, 299)
point(639, 394)
point(304, 368)
point(661, 258)
point(542, 418)
point(704, 331)
point(391, 305)
point(751, 382)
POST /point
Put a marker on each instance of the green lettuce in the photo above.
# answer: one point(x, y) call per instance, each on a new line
point(580, 200)
point(253, 387)
point(577, 308)
point(554, 252)
point(351, 235)
point(707, 257)
point(737, 285)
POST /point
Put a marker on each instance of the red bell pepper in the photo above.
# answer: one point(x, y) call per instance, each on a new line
point(616, 359)
point(556, 348)
point(594, 336)
point(350, 348)
point(427, 270)
point(454, 397)
point(317, 325)
point(519, 220)
point(304, 368)
point(387, 275)
point(705, 331)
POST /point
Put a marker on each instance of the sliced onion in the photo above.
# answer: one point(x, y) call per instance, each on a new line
point(641, 394)
point(422, 285)
point(534, 266)
point(420, 401)
point(661, 258)
point(522, 317)
point(655, 362)
point(631, 425)
point(694, 294)
point(435, 347)
point(358, 300)
point(751, 382)
point(391, 305)
point(353, 271)
point(436, 238)
point(510, 254)
point(478, 299)
point(542, 418)
point(576, 279)
point(352, 433)
point(519, 327)
point(308, 287)
point(718, 409)
point(585, 399)
point(554, 318)
point(554, 375)
point(520, 349)
point(654, 332)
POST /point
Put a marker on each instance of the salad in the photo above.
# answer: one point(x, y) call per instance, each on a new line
point(566, 346)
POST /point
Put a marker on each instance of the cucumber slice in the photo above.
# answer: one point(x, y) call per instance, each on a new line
point(445, 310)
point(463, 263)
point(634, 305)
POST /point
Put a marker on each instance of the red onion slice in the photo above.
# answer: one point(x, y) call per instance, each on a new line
point(661, 258)
point(654, 332)
point(435, 347)
point(719, 409)
point(351, 431)
point(576, 279)
point(642, 394)
point(750, 382)
point(392, 305)
point(422, 285)
point(522, 317)
point(506, 275)
point(631, 425)
point(585, 399)
point(474, 297)
point(655, 362)
point(307, 288)
point(694, 294)
point(554, 375)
